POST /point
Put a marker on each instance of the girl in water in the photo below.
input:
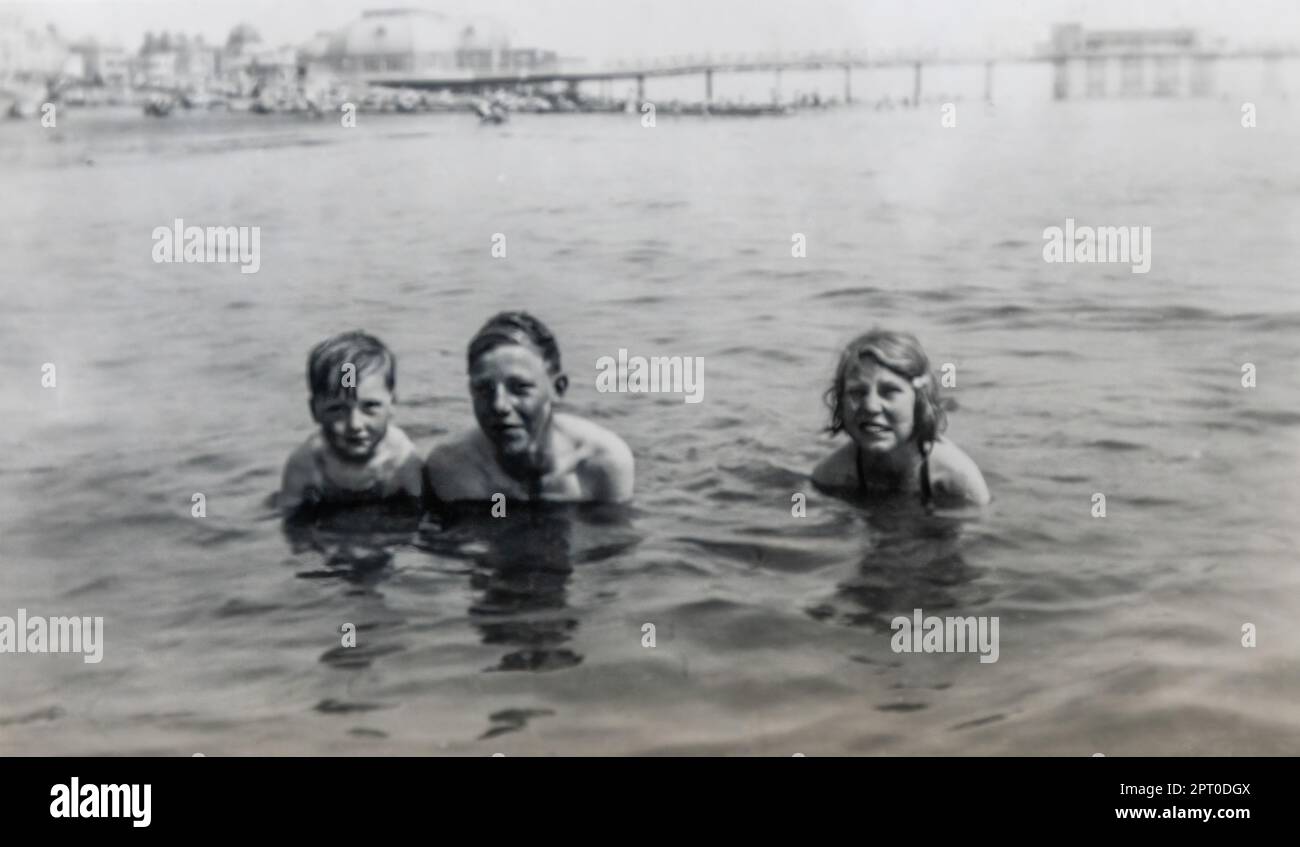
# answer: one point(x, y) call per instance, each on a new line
point(887, 400)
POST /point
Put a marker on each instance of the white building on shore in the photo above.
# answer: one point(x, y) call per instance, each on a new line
point(30, 52)
point(415, 43)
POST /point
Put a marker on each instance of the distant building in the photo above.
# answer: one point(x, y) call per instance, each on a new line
point(196, 63)
point(30, 53)
point(160, 69)
point(1128, 62)
point(397, 43)
point(103, 64)
point(172, 62)
point(265, 64)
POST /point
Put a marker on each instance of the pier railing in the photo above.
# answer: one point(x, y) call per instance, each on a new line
point(847, 61)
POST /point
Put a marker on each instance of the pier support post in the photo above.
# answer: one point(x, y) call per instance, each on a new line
point(1272, 77)
point(640, 90)
point(708, 85)
point(776, 91)
point(848, 84)
point(988, 82)
point(1203, 76)
point(1060, 80)
point(916, 86)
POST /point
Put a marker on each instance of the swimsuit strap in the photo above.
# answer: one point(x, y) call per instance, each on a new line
point(862, 477)
point(927, 495)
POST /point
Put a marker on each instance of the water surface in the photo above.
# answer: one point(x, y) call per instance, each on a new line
point(523, 635)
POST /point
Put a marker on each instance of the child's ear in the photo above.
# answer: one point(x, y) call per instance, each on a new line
point(311, 404)
point(561, 384)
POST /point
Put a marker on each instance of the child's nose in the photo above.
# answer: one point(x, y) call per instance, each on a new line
point(501, 399)
point(356, 419)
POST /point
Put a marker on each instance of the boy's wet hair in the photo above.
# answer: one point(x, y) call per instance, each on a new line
point(516, 328)
point(902, 354)
point(364, 352)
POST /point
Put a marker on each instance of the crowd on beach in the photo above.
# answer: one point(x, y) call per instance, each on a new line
point(493, 105)
point(294, 99)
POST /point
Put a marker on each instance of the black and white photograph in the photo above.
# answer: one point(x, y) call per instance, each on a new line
point(650, 378)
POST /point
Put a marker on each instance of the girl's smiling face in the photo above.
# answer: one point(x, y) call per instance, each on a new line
point(878, 406)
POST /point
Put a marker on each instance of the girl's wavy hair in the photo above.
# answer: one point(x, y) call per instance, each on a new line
point(902, 354)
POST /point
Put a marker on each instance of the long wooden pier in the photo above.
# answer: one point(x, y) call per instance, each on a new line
point(846, 61)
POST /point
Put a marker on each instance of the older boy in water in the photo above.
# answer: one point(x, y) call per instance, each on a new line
point(524, 448)
point(358, 455)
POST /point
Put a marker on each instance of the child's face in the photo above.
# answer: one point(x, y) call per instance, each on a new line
point(877, 406)
point(513, 394)
point(354, 426)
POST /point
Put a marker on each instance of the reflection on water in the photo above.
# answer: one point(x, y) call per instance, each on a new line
point(355, 542)
point(1074, 380)
point(522, 565)
point(520, 583)
point(910, 560)
point(519, 569)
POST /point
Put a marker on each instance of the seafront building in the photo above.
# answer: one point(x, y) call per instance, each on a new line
point(403, 43)
point(103, 64)
point(29, 57)
point(28, 51)
point(382, 45)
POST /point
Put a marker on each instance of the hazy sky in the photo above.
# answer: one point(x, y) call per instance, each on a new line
point(599, 28)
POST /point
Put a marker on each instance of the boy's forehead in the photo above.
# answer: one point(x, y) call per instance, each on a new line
point(513, 357)
point(367, 382)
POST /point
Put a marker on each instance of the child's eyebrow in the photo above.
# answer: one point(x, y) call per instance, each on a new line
point(342, 396)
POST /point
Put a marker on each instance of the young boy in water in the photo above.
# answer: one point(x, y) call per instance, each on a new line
point(524, 448)
point(358, 455)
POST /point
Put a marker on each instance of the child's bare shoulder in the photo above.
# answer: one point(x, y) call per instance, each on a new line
point(598, 446)
point(956, 473)
point(588, 434)
point(837, 470)
point(407, 465)
point(306, 456)
point(603, 461)
point(399, 444)
point(458, 468)
point(453, 452)
point(303, 479)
